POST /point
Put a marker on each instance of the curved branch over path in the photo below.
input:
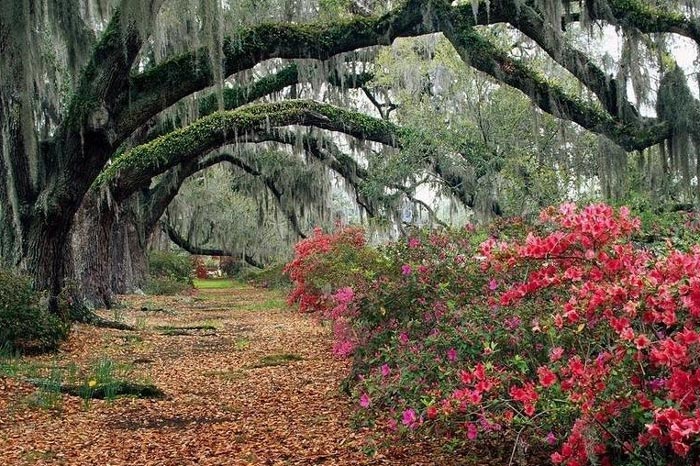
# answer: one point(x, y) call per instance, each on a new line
point(165, 84)
point(135, 168)
point(182, 242)
point(244, 94)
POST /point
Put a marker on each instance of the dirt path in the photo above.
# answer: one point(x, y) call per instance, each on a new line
point(255, 384)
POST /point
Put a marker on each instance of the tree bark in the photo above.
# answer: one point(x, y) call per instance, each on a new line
point(129, 258)
point(109, 250)
point(91, 243)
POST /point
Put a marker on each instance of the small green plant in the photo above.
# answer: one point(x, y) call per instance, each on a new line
point(48, 394)
point(241, 344)
point(141, 323)
point(106, 377)
point(25, 325)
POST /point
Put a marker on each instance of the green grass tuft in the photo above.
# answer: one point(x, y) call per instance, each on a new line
point(216, 284)
point(277, 360)
point(266, 305)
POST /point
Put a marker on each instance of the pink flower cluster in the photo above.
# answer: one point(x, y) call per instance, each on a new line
point(584, 336)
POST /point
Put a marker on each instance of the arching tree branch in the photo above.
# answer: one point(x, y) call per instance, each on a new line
point(165, 84)
point(645, 17)
point(162, 86)
point(182, 242)
point(480, 53)
point(135, 168)
point(241, 95)
point(255, 124)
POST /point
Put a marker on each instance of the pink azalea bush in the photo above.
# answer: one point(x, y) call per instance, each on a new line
point(322, 265)
point(565, 331)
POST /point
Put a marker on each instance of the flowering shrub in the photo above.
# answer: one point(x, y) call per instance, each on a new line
point(326, 262)
point(200, 270)
point(570, 335)
point(623, 324)
point(321, 263)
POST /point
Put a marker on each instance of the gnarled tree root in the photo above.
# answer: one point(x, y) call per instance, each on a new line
point(86, 316)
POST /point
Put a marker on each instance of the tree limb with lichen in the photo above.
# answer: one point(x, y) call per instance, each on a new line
point(167, 83)
point(244, 94)
point(480, 53)
point(183, 243)
point(134, 168)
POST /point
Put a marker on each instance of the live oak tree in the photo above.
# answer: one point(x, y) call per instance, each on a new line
point(88, 89)
point(220, 211)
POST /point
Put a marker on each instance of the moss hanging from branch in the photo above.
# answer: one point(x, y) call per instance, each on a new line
point(166, 83)
point(133, 169)
point(242, 94)
point(612, 170)
point(677, 106)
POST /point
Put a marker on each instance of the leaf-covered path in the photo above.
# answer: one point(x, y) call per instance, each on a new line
point(247, 381)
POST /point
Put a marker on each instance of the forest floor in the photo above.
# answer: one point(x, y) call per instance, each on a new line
point(247, 381)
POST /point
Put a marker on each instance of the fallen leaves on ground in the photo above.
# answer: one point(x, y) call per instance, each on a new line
point(247, 382)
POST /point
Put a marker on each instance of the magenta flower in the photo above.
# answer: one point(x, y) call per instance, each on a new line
point(343, 349)
point(413, 243)
point(344, 295)
point(493, 284)
point(657, 384)
point(365, 401)
point(452, 355)
point(406, 269)
point(386, 370)
point(409, 417)
point(472, 431)
point(551, 438)
point(512, 323)
point(403, 338)
point(487, 425)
